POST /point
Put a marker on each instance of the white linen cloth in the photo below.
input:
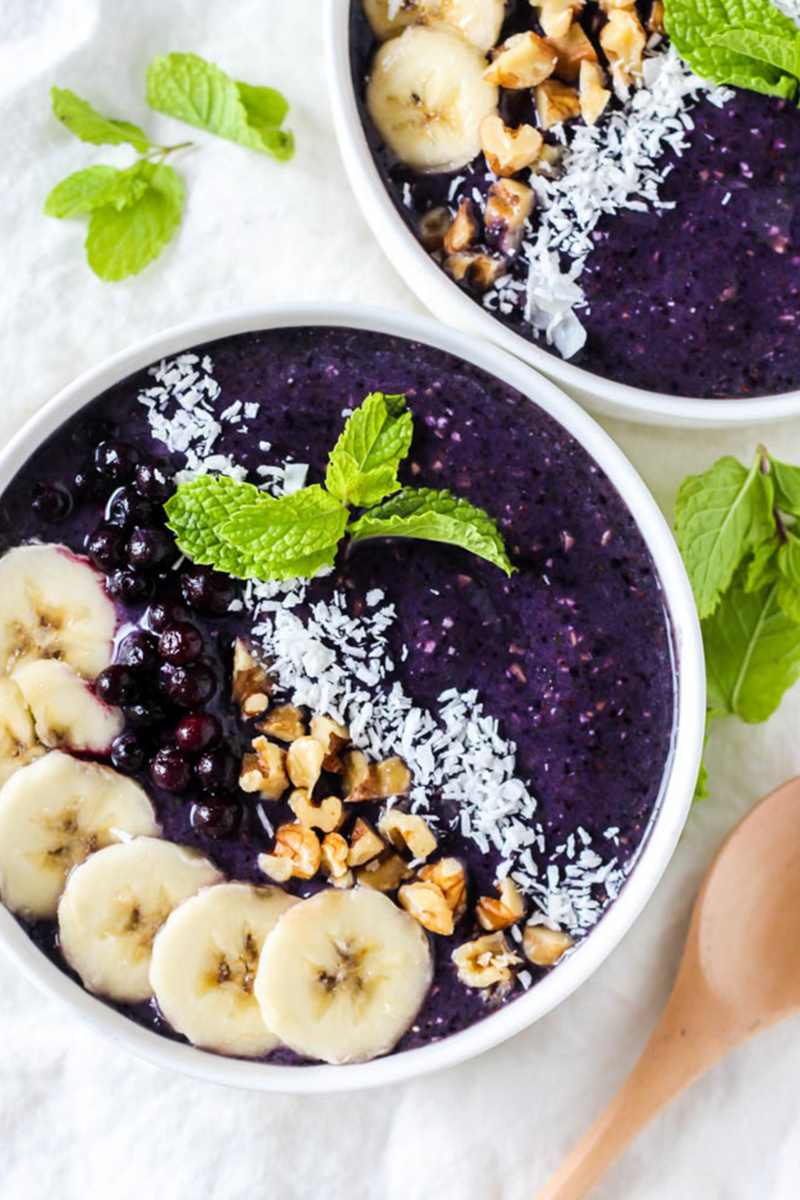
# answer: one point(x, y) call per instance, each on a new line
point(79, 1119)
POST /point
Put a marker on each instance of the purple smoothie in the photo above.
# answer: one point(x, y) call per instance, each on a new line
point(573, 654)
point(697, 300)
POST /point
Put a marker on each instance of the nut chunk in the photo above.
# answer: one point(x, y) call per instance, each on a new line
point(501, 911)
point(385, 873)
point(304, 762)
point(301, 847)
point(572, 49)
point(556, 102)
point(463, 230)
point(333, 737)
point(521, 62)
point(264, 771)
point(327, 815)
point(508, 207)
point(486, 961)
point(284, 723)
point(556, 16)
point(594, 96)
point(407, 831)
point(426, 903)
point(364, 844)
point(509, 150)
point(623, 40)
point(251, 687)
point(334, 860)
point(482, 270)
point(544, 946)
point(448, 874)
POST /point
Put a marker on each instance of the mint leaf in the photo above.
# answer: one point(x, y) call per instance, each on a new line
point(197, 510)
point(433, 516)
point(763, 566)
point(86, 123)
point(363, 464)
point(124, 241)
point(187, 87)
point(277, 534)
point(769, 48)
point(752, 654)
point(93, 187)
point(789, 578)
point(786, 479)
point(719, 516)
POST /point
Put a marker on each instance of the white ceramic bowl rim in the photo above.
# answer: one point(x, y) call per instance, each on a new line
point(679, 778)
point(450, 303)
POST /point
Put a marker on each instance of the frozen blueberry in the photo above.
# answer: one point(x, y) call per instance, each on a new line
point(188, 687)
point(116, 461)
point(196, 732)
point(128, 587)
point(207, 591)
point(164, 612)
point(139, 650)
point(128, 753)
point(51, 501)
point(118, 685)
point(180, 643)
point(87, 485)
point(217, 770)
point(216, 816)
point(106, 548)
point(150, 713)
point(150, 549)
point(171, 770)
point(127, 508)
point(153, 481)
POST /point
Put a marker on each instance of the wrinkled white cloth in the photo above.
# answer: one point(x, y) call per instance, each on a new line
point(79, 1119)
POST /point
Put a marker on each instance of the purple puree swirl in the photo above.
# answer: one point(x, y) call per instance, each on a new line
point(702, 299)
point(572, 655)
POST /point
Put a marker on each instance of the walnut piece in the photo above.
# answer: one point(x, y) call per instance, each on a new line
point(556, 16)
point(304, 762)
point(333, 737)
point(278, 869)
point(483, 269)
point(593, 95)
point(284, 723)
point(356, 775)
point(556, 101)
point(544, 946)
point(450, 877)
point(385, 873)
point(508, 206)
point(522, 61)
point(391, 778)
point(251, 686)
point(656, 22)
point(301, 847)
point(571, 50)
point(433, 225)
point(426, 903)
point(508, 150)
point(407, 831)
point(364, 844)
point(463, 230)
point(486, 961)
point(264, 771)
point(498, 912)
point(327, 815)
point(333, 860)
point(623, 40)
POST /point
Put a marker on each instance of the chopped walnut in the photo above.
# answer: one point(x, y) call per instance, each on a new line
point(544, 946)
point(556, 16)
point(522, 61)
point(251, 687)
point(304, 762)
point(278, 869)
point(327, 815)
point(426, 903)
point(593, 95)
point(508, 206)
point(356, 775)
point(364, 844)
point(333, 737)
point(508, 150)
point(392, 778)
point(284, 723)
point(483, 269)
point(549, 163)
point(385, 873)
point(449, 875)
point(608, 6)
point(301, 846)
point(433, 225)
point(264, 771)
point(571, 50)
point(486, 961)
point(623, 40)
point(556, 101)
point(333, 860)
point(498, 912)
point(463, 230)
point(656, 22)
point(407, 831)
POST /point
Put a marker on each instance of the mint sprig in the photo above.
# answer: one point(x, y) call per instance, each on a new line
point(241, 530)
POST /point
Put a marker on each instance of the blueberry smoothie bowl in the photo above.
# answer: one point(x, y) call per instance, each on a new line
point(559, 177)
point(347, 706)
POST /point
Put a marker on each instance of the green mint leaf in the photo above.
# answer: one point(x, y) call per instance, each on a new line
point(786, 479)
point(92, 188)
point(124, 241)
point(435, 517)
point(752, 654)
point(197, 510)
point(763, 566)
point(701, 786)
point(772, 49)
point(789, 578)
point(86, 123)
point(363, 464)
point(187, 87)
point(719, 516)
point(277, 534)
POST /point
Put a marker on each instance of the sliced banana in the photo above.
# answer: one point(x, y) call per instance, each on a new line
point(204, 966)
point(114, 905)
point(18, 743)
point(427, 97)
point(53, 814)
point(53, 605)
point(478, 21)
point(65, 711)
point(343, 974)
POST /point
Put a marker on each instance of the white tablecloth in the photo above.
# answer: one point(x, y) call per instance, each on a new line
point(80, 1120)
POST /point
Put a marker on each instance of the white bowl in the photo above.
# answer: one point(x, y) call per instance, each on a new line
point(447, 301)
point(677, 786)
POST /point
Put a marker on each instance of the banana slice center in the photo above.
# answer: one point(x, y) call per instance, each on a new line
point(137, 924)
point(236, 973)
point(346, 975)
point(70, 842)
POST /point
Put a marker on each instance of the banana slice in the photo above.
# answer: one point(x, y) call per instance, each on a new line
point(18, 744)
point(65, 712)
point(53, 605)
point(53, 814)
point(478, 21)
point(204, 966)
point(427, 97)
point(114, 905)
point(343, 974)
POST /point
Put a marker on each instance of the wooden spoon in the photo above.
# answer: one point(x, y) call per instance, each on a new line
point(740, 974)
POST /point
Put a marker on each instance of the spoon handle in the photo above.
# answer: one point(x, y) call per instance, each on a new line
point(684, 1045)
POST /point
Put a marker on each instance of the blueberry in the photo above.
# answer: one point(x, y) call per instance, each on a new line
point(127, 587)
point(180, 643)
point(165, 612)
point(171, 770)
point(127, 508)
point(150, 713)
point(106, 548)
point(118, 685)
point(116, 461)
point(196, 732)
point(128, 753)
point(51, 501)
point(217, 770)
point(139, 650)
point(150, 549)
point(216, 816)
point(206, 591)
point(154, 481)
point(188, 687)
point(87, 485)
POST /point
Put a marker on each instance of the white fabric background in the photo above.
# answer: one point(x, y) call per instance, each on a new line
point(79, 1120)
